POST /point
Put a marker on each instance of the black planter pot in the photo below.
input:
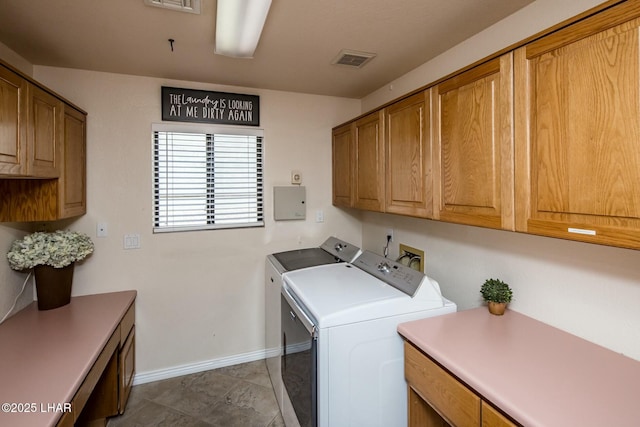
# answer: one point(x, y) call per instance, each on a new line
point(53, 286)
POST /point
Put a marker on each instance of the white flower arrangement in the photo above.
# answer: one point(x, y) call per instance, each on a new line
point(57, 249)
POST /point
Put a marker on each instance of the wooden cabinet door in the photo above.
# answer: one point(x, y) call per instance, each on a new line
point(369, 165)
point(491, 417)
point(13, 124)
point(408, 156)
point(72, 183)
point(127, 368)
point(451, 399)
point(44, 133)
point(473, 146)
point(421, 414)
point(578, 156)
point(342, 150)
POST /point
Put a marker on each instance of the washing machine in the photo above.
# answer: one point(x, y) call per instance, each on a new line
point(342, 359)
point(332, 251)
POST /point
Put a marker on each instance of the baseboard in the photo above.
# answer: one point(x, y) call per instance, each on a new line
point(192, 368)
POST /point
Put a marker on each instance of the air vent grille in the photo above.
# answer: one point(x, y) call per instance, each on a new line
point(352, 58)
point(190, 6)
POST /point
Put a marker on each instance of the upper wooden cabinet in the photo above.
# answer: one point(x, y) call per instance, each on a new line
point(408, 156)
point(358, 164)
point(368, 172)
point(578, 124)
point(543, 139)
point(31, 128)
point(13, 123)
point(473, 146)
point(44, 133)
point(42, 152)
point(72, 183)
point(342, 152)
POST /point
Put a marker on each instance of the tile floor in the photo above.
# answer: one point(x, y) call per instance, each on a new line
point(235, 396)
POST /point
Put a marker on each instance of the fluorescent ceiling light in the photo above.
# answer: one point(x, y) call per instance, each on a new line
point(239, 25)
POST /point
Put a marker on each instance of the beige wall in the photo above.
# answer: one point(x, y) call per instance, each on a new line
point(200, 294)
point(589, 290)
point(12, 282)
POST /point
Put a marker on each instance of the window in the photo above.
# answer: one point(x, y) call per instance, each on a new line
point(206, 178)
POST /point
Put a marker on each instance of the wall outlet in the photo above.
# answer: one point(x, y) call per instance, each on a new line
point(411, 257)
point(390, 233)
point(296, 177)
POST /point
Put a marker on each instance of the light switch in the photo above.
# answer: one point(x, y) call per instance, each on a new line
point(132, 241)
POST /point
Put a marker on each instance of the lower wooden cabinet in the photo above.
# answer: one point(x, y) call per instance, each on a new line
point(491, 417)
point(126, 370)
point(105, 391)
point(452, 400)
point(438, 399)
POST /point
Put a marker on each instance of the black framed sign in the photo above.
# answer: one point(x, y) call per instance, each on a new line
point(201, 106)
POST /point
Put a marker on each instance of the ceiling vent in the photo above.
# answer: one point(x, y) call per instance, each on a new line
point(352, 58)
point(190, 6)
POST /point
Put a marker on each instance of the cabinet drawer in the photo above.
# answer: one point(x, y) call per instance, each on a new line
point(126, 325)
point(127, 368)
point(85, 391)
point(492, 418)
point(450, 398)
point(66, 420)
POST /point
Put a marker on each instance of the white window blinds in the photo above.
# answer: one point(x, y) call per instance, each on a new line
point(211, 179)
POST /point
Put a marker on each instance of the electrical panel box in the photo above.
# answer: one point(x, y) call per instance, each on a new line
point(289, 203)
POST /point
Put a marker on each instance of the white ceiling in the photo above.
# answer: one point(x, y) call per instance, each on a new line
point(299, 41)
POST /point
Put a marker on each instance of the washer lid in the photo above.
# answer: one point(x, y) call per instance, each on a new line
point(331, 251)
point(341, 294)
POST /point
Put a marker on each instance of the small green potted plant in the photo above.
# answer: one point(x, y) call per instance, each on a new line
point(497, 294)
